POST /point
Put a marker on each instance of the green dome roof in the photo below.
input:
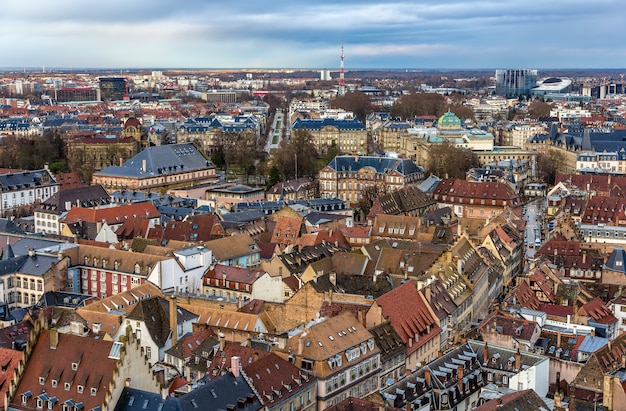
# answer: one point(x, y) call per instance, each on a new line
point(449, 120)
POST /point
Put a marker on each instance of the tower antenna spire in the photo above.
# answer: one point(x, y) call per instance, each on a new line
point(342, 80)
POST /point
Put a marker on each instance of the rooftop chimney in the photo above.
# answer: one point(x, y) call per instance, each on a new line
point(54, 338)
point(222, 341)
point(459, 378)
point(174, 320)
point(518, 359)
point(301, 343)
point(234, 366)
point(427, 377)
point(485, 353)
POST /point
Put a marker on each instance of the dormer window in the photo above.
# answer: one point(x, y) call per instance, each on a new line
point(42, 380)
point(104, 263)
point(116, 264)
point(67, 386)
point(80, 389)
point(137, 268)
point(86, 260)
point(95, 262)
point(74, 366)
point(54, 383)
point(94, 390)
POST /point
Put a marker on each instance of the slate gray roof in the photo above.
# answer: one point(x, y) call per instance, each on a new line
point(88, 196)
point(24, 179)
point(37, 264)
point(160, 160)
point(12, 265)
point(154, 312)
point(319, 123)
point(8, 226)
point(243, 216)
point(382, 165)
point(22, 246)
point(215, 395)
point(617, 260)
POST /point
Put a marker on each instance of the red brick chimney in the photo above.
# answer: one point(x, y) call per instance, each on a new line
point(234, 366)
point(427, 377)
point(518, 359)
point(459, 378)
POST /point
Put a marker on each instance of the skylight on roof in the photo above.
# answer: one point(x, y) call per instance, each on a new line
point(115, 350)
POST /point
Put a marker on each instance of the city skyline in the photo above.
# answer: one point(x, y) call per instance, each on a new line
point(246, 34)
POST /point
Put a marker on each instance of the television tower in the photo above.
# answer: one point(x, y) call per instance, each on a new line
point(342, 80)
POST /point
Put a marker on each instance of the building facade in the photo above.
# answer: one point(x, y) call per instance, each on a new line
point(346, 177)
point(349, 135)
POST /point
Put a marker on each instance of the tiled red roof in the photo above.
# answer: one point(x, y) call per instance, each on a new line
point(232, 273)
point(555, 310)
point(333, 309)
point(275, 379)
point(598, 312)
point(95, 370)
point(357, 232)
point(221, 361)
point(9, 360)
point(177, 383)
point(407, 311)
point(526, 296)
point(68, 180)
point(552, 247)
point(292, 282)
point(476, 189)
point(287, 230)
point(253, 307)
point(112, 215)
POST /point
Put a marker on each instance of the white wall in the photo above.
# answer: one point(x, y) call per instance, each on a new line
point(268, 288)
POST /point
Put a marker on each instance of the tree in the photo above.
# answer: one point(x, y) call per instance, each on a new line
point(274, 177)
point(539, 109)
point(368, 195)
point(357, 102)
point(446, 160)
point(462, 111)
point(219, 158)
point(332, 152)
point(548, 165)
point(297, 157)
point(419, 104)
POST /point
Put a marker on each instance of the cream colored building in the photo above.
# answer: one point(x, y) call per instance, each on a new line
point(349, 135)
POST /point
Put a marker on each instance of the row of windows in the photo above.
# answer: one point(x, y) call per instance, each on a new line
point(45, 216)
point(25, 298)
point(607, 234)
point(20, 282)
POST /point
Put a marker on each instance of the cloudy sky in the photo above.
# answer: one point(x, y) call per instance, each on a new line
point(306, 34)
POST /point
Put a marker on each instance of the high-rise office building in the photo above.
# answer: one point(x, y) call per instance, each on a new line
point(516, 82)
point(113, 88)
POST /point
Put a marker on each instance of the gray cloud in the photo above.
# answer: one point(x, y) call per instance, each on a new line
point(404, 34)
